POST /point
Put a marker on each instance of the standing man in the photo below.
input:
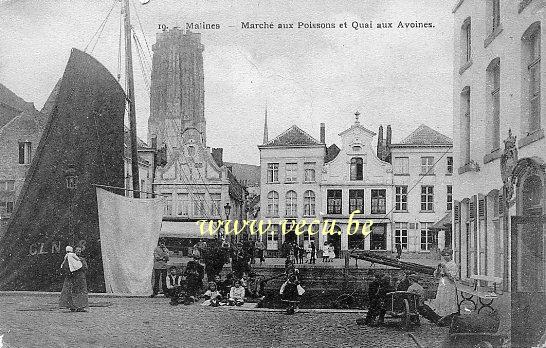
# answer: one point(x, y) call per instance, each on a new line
point(398, 250)
point(313, 253)
point(161, 256)
point(260, 247)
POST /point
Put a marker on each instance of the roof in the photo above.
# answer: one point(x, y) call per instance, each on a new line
point(140, 142)
point(50, 102)
point(11, 99)
point(10, 105)
point(425, 136)
point(247, 174)
point(293, 136)
point(443, 223)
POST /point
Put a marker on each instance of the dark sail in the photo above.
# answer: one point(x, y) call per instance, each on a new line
point(83, 138)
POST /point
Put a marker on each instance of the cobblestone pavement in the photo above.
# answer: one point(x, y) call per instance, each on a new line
point(33, 321)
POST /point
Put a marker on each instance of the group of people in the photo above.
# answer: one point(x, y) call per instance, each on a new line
point(186, 287)
point(439, 311)
point(297, 254)
point(328, 253)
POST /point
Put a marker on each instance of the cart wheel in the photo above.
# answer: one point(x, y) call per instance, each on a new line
point(406, 318)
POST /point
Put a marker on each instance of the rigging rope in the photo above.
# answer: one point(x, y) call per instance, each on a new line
point(142, 31)
point(100, 28)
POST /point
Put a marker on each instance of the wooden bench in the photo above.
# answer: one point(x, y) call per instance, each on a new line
point(485, 294)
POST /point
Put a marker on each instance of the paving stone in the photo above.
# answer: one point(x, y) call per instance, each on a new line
point(144, 322)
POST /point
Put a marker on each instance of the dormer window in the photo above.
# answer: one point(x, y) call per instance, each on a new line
point(357, 148)
point(357, 168)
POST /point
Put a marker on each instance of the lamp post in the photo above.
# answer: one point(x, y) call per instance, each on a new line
point(71, 178)
point(227, 210)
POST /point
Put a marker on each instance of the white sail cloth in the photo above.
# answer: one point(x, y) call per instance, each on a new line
point(129, 232)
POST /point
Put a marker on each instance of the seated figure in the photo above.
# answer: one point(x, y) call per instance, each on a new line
point(212, 296)
point(237, 294)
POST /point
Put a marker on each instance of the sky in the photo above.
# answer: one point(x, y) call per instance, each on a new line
point(401, 77)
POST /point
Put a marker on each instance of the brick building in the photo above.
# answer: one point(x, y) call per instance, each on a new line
point(21, 127)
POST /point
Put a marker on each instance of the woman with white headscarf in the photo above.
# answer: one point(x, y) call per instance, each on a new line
point(74, 293)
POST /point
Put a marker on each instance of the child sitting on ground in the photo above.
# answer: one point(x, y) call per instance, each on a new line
point(174, 282)
point(290, 293)
point(237, 294)
point(212, 296)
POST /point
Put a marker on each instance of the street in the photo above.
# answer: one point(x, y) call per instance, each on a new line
point(34, 321)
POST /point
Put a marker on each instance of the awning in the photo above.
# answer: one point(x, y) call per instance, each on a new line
point(442, 224)
point(182, 229)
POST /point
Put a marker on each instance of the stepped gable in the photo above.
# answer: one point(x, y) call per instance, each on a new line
point(424, 136)
point(293, 136)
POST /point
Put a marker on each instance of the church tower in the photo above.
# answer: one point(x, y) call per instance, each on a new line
point(177, 89)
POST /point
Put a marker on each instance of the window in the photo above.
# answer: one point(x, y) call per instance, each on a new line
point(216, 203)
point(309, 172)
point(168, 204)
point(427, 165)
point(7, 185)
point(427, 198)
point(532, 43)
point(273, 238)
point(6, 207)
point(182, 204)
point(357, 168)
point(309, 203)
point(333, 201)
point(401, 234)
point(272, 172)
point(401, 198)
point(401, 165)
point(450, 165)
point(273, 203)
point(356, 201)
point(465, 125)
point(25, 152)
point(291, 172)
point(199, 205)
point(449, 197)
point(378, 239)
point(427, 238)
point(291, 203)
point(379, 201)
point(493, 86)
point(466, 42)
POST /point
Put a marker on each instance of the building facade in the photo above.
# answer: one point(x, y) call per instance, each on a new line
point(301, 178)
point(195, 181)
point(423, 191)
point(356, 182)
point(291, 166)
point(499, 152)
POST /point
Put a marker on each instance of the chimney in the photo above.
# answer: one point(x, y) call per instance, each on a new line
point(217, 155)
point(322, 133)
point(380, 144)
point(388, 144)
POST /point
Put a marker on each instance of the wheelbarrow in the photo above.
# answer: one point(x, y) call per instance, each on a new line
point(403, 305)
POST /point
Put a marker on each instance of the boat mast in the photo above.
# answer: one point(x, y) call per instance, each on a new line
point(131, 101)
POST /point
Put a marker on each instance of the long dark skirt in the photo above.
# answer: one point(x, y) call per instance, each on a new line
point(74, 293)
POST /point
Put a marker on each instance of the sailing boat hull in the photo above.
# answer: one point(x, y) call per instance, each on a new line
point(82, 139)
